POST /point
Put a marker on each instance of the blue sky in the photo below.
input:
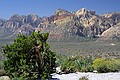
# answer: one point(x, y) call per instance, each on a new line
point(47, 7)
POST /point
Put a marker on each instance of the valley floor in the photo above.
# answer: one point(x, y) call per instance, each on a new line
point(90, 76)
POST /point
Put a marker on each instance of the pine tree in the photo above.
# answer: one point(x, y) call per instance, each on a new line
point(29, 57)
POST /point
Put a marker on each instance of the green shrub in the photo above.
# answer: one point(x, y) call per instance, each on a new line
point(29, 57)
point(18, 79)
point(2, 73)
point(67, 66)
point(111, 65)
point(1, 65)
point(87, 68)
point(106, 65)
point(99, 64)
point(90, 68)
point(84, 64)
point(76, 63)
point(117, 61)
point(83, 78)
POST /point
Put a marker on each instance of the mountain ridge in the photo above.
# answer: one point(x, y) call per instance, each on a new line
point(62, 25)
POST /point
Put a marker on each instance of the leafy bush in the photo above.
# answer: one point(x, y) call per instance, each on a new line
point(1, 65)
point(111, 65)
point(29, 57)
point(106, 65)
point(76, 63)
point(83, 78)
point(100, 65)
point(2, 73)
point(18, 79)
point(117, 61)
point(87, 64)
point(84, 64)
point(67, 65)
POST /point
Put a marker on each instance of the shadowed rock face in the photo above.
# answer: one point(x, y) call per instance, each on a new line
point(62, 24)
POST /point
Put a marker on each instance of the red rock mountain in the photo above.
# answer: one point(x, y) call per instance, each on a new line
point(63, 25)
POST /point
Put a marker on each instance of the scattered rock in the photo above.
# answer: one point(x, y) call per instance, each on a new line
point(4, 78)
point(112, 44)
point(95, 71)
point(58, 70)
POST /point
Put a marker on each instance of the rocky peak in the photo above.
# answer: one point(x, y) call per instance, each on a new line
point(84, 11)
point(2, 21)
point(108, 15)
point(59, 12)
point(25, 29)
point(32, 18)
point(114, 17)
point(59, 15)
point(15, 18)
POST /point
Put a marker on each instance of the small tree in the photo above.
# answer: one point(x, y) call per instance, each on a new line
point(29, 57)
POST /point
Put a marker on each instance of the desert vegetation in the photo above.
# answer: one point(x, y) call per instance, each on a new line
point(22, 59)
point(90, 47)
point(77, 63)
point(106, 65)
point(83, 78)
point(29, 57)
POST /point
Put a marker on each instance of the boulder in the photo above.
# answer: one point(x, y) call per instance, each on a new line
point(4, 78)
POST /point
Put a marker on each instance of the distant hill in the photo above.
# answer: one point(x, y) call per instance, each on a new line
point(64, 25)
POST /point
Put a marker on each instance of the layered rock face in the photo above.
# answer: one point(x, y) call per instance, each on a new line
point(62, 24)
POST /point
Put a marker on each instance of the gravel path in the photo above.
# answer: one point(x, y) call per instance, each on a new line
point(90, 76)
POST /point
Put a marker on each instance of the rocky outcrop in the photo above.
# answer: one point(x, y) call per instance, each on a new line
point(59, 15)
point(62, 24)
point(84, 12)
point(4, 78)
point(20, 24)
point(113, 17)
point(111, 34)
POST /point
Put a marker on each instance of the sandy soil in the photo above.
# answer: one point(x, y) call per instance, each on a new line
point(90, 76)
